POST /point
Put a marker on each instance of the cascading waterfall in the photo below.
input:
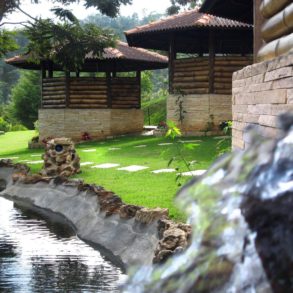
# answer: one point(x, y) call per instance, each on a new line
point(242, 227)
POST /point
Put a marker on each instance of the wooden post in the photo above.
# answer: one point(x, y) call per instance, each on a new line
point(44, 75)
point(109, 90)
point(138, 78)
point(172, 57)
point(67, 89)
point(50, 69)
point(211, 61)
point(258, 21)
point(77, 73)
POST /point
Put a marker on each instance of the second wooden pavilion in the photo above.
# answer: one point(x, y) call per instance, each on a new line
point(204, 51)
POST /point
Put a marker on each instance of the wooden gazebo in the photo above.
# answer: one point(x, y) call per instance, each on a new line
point(204, 51)
point(103, 105)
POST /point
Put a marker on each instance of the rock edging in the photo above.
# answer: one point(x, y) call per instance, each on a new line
point(134, 234)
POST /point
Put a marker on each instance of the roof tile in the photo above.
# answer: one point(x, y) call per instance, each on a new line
point(188, 19)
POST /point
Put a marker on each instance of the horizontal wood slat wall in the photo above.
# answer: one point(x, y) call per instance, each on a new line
point(191, 75)
point(91, 93)
point(88, 93)
point(125, 92)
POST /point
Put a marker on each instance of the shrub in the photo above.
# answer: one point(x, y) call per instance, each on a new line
point(4, 125)
point(18, 127)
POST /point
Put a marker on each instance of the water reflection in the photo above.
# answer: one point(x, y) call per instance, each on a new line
point(41, 256)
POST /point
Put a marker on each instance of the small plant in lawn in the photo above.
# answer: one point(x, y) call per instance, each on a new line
point(174, 133)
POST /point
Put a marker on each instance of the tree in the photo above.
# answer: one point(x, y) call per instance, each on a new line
point(25, 98)
point(177, 4)
point(67, 43)
point(107, 7)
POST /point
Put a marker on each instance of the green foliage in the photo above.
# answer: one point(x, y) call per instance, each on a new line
point(177, 4)
point(18, 127)
point(155, 108)
point(26, 97)
point(7, 42)
point(67, 43)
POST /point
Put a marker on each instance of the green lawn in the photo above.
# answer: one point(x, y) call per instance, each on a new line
point(140, 188)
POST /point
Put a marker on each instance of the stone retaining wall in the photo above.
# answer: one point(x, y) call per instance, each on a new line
point(99, 123)
point(204, 112)
point(261, 92)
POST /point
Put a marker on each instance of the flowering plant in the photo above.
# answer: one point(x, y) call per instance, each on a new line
point(86, 136)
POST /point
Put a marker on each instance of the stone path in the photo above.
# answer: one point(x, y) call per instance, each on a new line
point(86, 163)
point(38, 155)
point(133, 168)
point(23, 161)
point(190, 141)
point(163, 171)
point(89, 150)
point(222, 137)
point(165, 143)
point(140, 146)
point(106, 166)
point(194, 173)
point(114, 149)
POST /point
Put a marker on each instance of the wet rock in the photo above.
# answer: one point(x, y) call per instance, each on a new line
point(128, 211)
point(147, 216)
point(60, 158)
point(174, 238)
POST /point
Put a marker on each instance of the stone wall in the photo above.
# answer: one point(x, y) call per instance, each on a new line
point(261, 92)
point(204, 112)
point(99, 123)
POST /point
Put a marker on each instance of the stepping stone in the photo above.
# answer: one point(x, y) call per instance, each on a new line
point(9, 158)
point(190, 141)
point(166, 143)
point(89, 150)
point(105, 166)
point(222, 137)
point(35, 162)
point(194, 173)
point(39, 155)
point(102, 142)
point(141, 146)
point(114, 149)
point(163, 171)
point(133, 168)
point(86, 163)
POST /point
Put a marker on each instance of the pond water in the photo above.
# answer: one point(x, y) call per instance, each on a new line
point(38, 255)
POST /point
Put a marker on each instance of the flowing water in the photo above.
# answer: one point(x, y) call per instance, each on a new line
point(38, 255)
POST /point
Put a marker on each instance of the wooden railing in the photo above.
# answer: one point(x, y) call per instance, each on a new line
point(196, 76)
point(87, 92)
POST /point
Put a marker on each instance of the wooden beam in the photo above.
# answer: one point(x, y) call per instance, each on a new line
point(172, 57)
point(109, 89)
point(211, 60)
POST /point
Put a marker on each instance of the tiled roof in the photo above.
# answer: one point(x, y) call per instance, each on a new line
point(188, 19)
point(122, 51)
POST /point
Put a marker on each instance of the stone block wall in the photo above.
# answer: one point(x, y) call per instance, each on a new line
point(261, 92)
point(204, 112)
point(99, 123)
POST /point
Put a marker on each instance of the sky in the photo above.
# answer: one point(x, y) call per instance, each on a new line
point(139, 6)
